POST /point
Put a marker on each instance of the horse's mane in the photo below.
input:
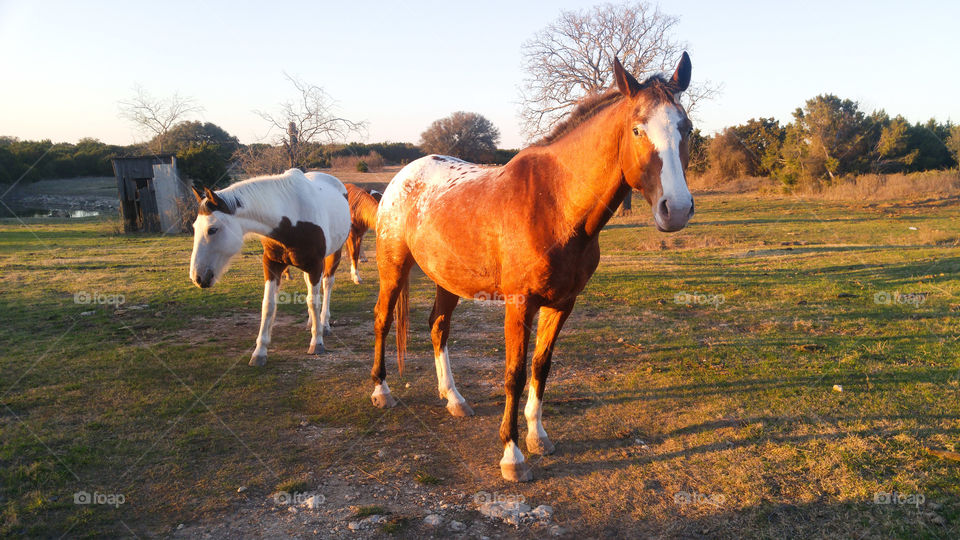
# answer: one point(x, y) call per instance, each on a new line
point(363, 207)
point(591, 104)
point(254, 194)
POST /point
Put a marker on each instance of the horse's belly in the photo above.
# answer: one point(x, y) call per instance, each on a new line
point(464, 272)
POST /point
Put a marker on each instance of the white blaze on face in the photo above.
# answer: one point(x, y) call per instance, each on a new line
point(662, 129)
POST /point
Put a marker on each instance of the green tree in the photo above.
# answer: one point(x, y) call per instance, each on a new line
point(468, 136)
point(953, 143)
point(204, 150)
point(761, 139)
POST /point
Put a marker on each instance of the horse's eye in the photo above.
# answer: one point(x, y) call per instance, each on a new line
point(212, 230)
point(636, 131)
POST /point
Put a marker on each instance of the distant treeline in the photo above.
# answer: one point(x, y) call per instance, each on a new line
point(205, 152)
point(828, 138)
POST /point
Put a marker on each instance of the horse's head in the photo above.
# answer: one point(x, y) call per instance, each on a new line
point(217, 237)
point(654, 149)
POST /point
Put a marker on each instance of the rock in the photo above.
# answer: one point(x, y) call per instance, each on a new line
point(837, 388)
point(541, 513)
point(508, 512)
point(456, 526)
point(354, 526)
point(557, 530)
point(372, 520)
point(241, 489)
point(314, 502)
point(433, 520)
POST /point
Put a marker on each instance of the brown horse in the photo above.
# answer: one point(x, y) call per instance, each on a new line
point(363, 216)
point(528, 233)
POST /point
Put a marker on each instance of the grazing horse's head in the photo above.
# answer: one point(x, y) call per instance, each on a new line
point(217, 237)
point(654, 149)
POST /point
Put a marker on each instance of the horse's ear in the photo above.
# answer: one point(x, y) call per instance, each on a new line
point(627, 85)
point(681, 77)
point(197, 194)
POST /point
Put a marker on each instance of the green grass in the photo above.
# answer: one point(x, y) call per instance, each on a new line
point(734, 396)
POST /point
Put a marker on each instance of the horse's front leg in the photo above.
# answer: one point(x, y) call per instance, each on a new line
point(313, 308)
point(548, 328)
point(272, 271)
point(517, 322)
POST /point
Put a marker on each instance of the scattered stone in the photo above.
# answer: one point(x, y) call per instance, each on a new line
point(314, 502)
point(457, 526)
point(180, 526)
point(354, 526)
point(837, 388)
point(86, 313)
point(407, 386)
point(241, 489)
point(557, 530)
point(292, 509)
point(541, 513)
point(433, 520)
point(508, 512)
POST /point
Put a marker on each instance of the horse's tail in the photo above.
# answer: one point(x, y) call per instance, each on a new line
point(402, 314)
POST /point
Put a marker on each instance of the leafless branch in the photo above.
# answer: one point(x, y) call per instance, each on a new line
point(156, 116)
point(573, 56)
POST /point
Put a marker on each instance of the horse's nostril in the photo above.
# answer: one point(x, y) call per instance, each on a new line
point(663, 209)
point(691, 208)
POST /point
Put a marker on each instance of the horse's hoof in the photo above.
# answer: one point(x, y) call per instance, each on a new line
point(258, 360)
point(459, 409)
point(383, 400)
point(357, 280)
point(327, 331)
point(539, 446)
point(317, 349)
point(516, 472)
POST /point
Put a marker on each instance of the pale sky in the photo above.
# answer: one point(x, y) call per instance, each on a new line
point(400, 65)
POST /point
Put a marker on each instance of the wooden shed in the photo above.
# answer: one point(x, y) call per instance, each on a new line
point(153, 197)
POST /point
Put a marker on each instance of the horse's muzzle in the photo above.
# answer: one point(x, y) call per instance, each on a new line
point(670, 216)
point(206, 280)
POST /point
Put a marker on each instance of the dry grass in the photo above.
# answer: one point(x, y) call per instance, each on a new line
point(868, 187)
point(373, 160)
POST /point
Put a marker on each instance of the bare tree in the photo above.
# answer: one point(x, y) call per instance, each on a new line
point(157, 115)
point(573, 57)
point(307, 119)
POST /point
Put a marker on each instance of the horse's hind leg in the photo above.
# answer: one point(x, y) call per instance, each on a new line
point(314, 308)
point(443, 307)
point(551, 321)
point(355, 252)
point(330, 265)
point(394, 272)
point(272, 271)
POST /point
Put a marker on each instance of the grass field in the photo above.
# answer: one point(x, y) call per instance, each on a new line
point(693, 391)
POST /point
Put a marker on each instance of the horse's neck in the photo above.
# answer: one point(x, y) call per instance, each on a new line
point(254, 216)
point(595, 187)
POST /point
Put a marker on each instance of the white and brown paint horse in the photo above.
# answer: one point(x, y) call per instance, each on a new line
point(302, 220)
point(528, 232)
point(363, 216)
